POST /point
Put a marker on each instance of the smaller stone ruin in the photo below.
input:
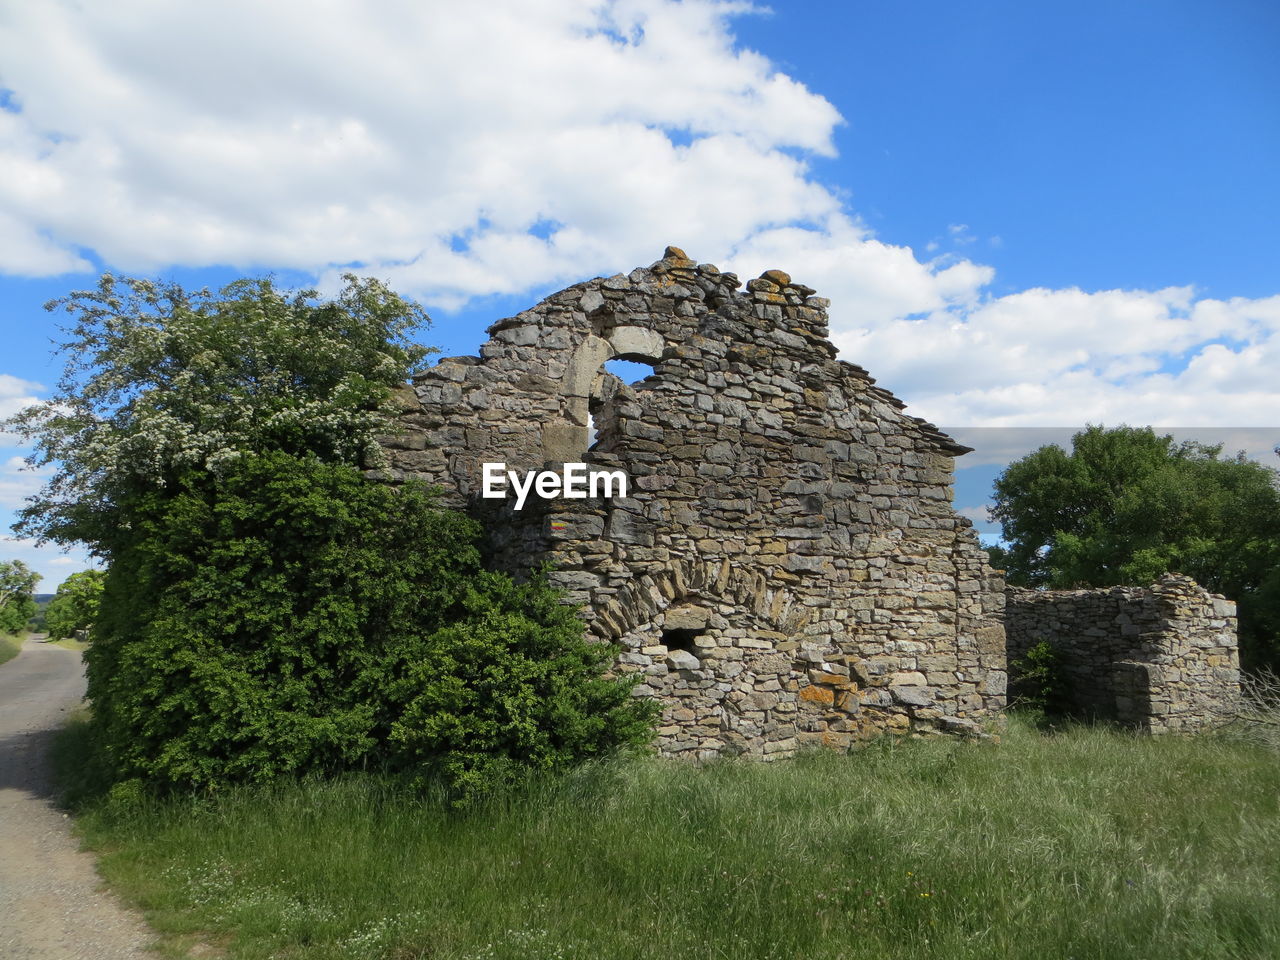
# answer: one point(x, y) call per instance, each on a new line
point(1159, 658)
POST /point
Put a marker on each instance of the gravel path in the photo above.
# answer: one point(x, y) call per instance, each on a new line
point(52, 906)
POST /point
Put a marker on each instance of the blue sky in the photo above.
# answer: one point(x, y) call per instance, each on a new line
point(1026, 214)
point(1107, 144)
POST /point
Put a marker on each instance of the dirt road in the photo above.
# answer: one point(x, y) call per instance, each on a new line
point(52, 906)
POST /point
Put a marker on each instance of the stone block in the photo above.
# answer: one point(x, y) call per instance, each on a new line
point(625, 527)
point(683, 660)
point(816, 694)
point(915, 696)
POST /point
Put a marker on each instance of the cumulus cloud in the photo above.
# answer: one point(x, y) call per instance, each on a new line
point(1067, 357)
point(52, 563)
point(868, 281)
point(425, 139)
point(932, 332)
point(466, 150)
point(19, 481)
point(15, 393)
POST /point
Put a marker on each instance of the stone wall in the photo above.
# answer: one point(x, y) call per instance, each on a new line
point(788, 569)
point(1157, 658)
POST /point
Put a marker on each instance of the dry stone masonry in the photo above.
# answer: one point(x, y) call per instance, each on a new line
point(1157, 658)
point(788, 569)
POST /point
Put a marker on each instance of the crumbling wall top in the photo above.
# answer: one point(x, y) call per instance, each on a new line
point(544, 366)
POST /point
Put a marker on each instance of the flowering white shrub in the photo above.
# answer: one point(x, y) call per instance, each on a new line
point(160, 381)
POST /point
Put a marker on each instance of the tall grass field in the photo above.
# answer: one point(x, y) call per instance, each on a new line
point(1085, 843)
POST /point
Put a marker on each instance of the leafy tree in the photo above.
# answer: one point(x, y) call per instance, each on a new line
point(1126, 505)
point(257, 631)
point(74, 608)
point(160, 381)
point(17, 600)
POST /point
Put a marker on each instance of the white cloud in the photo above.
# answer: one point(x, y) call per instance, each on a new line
point(868, 281)
point(1068, 357)
point(1046, 334)
point(24, 250)
point(52, 563)
point(932, 332)
point(19, 481)
point(307, 135)
point(463, 150)
point(15, 393)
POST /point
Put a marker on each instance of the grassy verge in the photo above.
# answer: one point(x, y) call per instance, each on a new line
point(77, 646)
point(1086, 843)
point(10, 644)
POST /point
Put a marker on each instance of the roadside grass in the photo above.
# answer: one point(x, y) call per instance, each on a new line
point(76, 646)
point(1081, 843)
point(10, 645)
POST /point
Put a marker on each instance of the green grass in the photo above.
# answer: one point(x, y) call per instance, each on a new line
point(76, 646)
point(9, 646)
point(1087, 843)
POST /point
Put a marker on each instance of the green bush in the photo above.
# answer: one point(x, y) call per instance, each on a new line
point(16, 615)
point(269, 611)
point(509, 687)
point(287, 615)
point(1039, 682)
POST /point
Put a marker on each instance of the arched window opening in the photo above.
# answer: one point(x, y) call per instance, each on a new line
point(602, 365)
point(615, 374)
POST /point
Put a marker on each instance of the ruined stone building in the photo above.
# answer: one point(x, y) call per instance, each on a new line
point(787, 568)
